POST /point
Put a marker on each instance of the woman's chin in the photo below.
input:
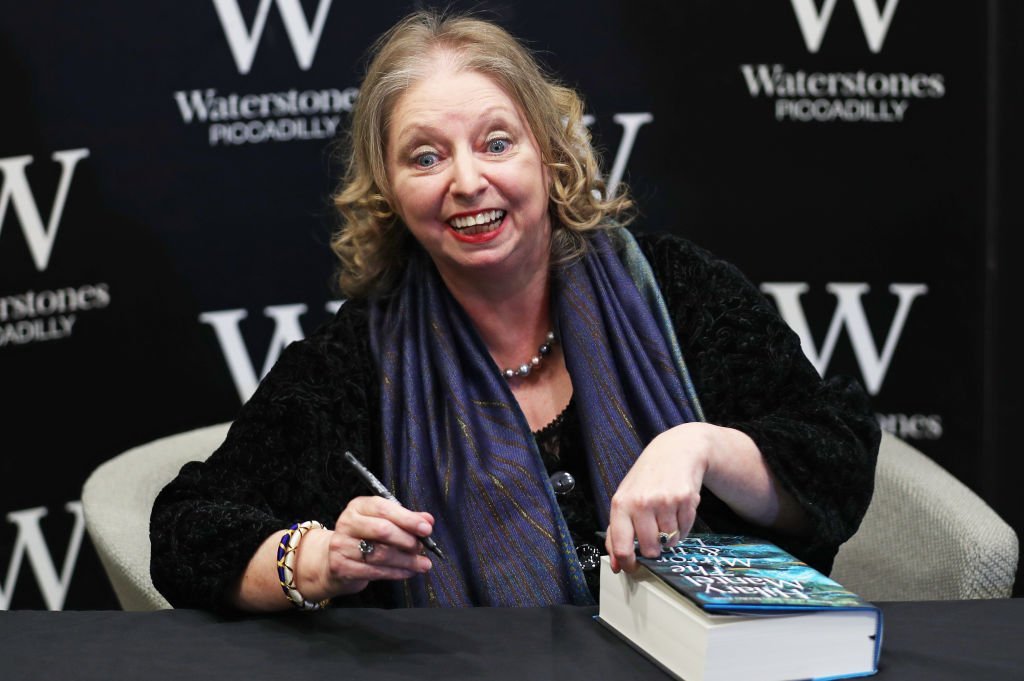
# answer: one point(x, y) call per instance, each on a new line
point(488, 262)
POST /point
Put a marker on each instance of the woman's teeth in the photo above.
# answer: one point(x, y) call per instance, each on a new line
point(479, 223)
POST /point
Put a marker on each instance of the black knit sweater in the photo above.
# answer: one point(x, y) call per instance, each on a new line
point(281, 462)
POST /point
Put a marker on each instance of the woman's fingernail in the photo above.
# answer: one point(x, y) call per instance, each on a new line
point(423, 529)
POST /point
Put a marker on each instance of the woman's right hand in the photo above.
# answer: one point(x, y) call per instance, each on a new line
point(332, 564)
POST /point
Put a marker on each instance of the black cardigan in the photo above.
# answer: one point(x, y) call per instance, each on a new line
point(281, 462)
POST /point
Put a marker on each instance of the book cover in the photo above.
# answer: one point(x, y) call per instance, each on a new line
point(725, 573)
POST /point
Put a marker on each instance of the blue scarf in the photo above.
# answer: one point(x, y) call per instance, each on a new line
point(457, 445)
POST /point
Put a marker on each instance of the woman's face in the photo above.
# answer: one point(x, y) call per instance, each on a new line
point(467, 178)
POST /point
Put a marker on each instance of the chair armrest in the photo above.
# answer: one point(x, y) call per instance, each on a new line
point(926, 536)
point(118, 498)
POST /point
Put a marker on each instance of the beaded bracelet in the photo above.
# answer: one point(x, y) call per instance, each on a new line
point(286, 562)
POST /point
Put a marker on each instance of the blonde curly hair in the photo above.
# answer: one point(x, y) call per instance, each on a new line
point(371, 243)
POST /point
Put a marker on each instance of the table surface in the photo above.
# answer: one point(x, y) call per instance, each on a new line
point(931, 641)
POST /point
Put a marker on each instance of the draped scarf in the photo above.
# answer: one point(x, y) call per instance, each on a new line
point(456, 443)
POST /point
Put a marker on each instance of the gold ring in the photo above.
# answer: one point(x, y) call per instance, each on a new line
point(664, 537)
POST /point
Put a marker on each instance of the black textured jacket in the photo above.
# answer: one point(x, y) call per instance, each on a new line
point(281, 462)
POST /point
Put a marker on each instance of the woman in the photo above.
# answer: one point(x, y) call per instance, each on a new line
point(511, 364)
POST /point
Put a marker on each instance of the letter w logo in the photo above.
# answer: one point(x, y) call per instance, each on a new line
point(15, 190)
point(31, 542)
point(814, 23)
point(849, 313)
point(243, 42)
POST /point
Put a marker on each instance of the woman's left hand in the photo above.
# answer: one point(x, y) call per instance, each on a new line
point(659, 494)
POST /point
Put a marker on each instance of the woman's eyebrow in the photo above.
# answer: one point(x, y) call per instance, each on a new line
point(500, 114)
point(410, 135)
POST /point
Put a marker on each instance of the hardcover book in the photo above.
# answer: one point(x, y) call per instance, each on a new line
point(715, 607)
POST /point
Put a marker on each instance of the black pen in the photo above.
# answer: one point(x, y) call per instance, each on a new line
point(380, 490)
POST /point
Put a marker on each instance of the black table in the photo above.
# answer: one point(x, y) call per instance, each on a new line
point(933, 641)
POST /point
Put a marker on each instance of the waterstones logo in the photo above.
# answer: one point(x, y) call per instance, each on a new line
point(290, 115)
point(840, 96)
point(35, 316)
point(293, 115)
point(49, 314)
point(849, 96)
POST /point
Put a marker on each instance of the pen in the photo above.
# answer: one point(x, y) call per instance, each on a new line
point(380, 490)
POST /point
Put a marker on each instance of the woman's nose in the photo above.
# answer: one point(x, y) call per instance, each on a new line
point(468, 178)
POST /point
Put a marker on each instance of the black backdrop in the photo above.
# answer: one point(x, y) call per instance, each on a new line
point(164, 215)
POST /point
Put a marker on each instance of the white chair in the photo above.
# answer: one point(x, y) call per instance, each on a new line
point(117, 499)
point(926, 536)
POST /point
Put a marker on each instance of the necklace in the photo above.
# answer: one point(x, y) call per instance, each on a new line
point(526, 367)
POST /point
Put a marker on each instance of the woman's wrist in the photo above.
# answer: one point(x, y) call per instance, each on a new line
point(311, 565)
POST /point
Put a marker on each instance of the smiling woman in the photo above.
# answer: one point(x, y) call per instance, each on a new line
point(511, 363)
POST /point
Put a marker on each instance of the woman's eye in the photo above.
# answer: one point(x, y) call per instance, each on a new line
point(498, 146)
point(426, 160)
